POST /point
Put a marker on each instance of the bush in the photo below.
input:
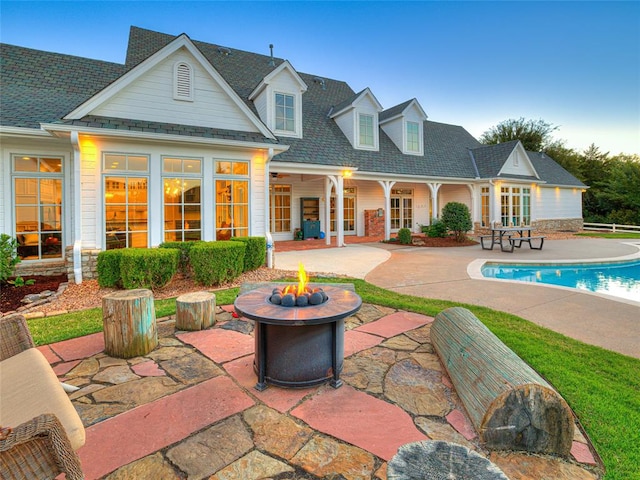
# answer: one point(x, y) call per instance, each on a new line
point(218, 262)
point(457, 218)
point(437, 229)
point(8, 256)
point(109, 268)
point(148, 268)
point(404, 235)
point(185, 248)
point(255, 252)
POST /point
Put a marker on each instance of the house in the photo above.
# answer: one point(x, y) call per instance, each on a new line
point(190, 140)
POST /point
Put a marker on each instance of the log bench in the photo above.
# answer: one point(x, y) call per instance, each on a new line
point(129, 323)
point(509, 404)
point(195, 311)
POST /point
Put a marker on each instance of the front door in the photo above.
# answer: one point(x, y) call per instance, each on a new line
point(401, 209)
point(349, 209)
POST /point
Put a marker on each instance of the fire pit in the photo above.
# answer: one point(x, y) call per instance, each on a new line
point(298, 347)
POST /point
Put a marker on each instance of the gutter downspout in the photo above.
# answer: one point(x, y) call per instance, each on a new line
point(77, 210)
point(267, 227)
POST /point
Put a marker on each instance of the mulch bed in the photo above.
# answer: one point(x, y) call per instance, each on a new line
point(10, 296)
point(439, 242)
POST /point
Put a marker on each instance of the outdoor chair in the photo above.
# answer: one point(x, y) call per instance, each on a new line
point(39, 427)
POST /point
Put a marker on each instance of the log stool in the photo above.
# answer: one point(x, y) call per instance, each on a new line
point(509, 404)
point(129, 320)
point(438, 460)
point(195, 311)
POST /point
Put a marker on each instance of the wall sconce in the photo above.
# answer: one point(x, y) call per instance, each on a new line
point(347, 173)
point(380, 212)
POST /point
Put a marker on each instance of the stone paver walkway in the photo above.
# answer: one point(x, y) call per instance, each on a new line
point(188, 409)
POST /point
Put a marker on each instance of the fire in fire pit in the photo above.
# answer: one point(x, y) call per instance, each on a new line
point(300, 295)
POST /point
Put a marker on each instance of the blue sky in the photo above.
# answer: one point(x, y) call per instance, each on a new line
point(573, 64)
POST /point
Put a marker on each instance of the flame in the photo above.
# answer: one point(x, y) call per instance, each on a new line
point(302, 279)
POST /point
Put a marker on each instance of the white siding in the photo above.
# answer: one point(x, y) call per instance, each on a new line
point(150, 98)
point(518, 164)
point(346, 122)
point(394, 130)
point(555, 203)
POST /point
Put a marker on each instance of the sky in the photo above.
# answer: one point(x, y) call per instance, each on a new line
point(575, 65)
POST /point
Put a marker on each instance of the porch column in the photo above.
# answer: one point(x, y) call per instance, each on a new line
point(475, 211)
point(434, 188)
point(340, 211)
point(387, 185)
point(329, 182)
point(76, 217)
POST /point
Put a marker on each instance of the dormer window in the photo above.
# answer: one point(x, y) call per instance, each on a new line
point(365, 130)
point(285, 113)
point(183, 82)
point(413, 137)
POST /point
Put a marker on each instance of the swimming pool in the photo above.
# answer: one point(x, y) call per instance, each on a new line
point(620, 279)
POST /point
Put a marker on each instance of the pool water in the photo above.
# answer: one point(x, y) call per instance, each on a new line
point(620, 279)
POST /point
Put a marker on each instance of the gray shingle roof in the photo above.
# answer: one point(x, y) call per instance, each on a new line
point(41, 87)
point(552, 172)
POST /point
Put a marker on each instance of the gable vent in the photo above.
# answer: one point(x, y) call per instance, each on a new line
point(183, 82)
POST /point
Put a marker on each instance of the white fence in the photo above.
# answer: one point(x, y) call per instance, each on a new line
point(612, 227)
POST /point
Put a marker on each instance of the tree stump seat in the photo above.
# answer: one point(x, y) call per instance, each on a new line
point(129, 321)
point(510, 405)
point(195, 311)
point(439, 460)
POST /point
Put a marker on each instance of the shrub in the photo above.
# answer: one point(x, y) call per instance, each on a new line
point(109, 268)
point(404, 235)
point(8, 256)
point(457, 218)
point(218, 262)
point(255, 252)
point(148, 268)
point(437, 229)
point(185, 248)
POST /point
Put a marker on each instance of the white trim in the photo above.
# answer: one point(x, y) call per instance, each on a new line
point(267, 79)
point(358, 99)
point(182, 41)
point(309, 169)
point(22, 131)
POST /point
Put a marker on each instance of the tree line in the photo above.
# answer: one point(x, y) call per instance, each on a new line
point(613, 195)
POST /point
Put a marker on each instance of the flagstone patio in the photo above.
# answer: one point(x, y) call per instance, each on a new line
point(188, 409)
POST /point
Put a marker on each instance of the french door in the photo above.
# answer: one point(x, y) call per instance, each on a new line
point(401, 209)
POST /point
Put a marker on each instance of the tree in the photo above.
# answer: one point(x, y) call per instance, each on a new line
point(535, 135)
point(457, 218)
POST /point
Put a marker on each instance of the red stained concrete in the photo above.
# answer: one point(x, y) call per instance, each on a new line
point(49, 354)
point(458, 421)
point(582, 454)
point(395, 324)
point(157, 424)
point(64, 368)
point(79, 348)
point(342, 413)
point(220, 345)
point(148, 369)
point(281, 399)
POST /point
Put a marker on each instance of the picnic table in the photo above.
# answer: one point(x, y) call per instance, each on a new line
point(511, 237)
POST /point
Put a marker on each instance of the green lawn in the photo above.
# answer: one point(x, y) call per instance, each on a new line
point(602, 387)
point(620, 236)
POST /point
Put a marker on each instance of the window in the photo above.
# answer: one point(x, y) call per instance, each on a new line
point(366, 130)
point(515, 206)
point(183, 81)
point(285, 113)
point(182, 206)
point(37, 186)
point(126, 198)
point(232, 199)
point(280, 208)
point(401, 208)
point(413, 137)
point(485, 212)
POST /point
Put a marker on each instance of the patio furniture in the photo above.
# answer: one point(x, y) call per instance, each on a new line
point(43, 429)
point(195, 311)
point(509, 404)
point(439, 460)
point(129, 321)
point(510, 237)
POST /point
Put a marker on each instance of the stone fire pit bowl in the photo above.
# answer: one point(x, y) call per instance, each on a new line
point(298, 347)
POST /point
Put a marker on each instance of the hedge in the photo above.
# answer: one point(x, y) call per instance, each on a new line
point(255, 252)
point(217, 262)
point(148, 267)
point(185, 248)
point(109, 268)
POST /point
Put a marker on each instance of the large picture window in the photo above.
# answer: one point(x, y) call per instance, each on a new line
point(126, 200)
point(484, 208)
point(280, 208)
point(413, 137)
point(37, 186)
point(232, 199)
point(182, 185)
point(366, 130)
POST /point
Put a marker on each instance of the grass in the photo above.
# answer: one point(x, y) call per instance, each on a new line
point(619, 236)
point(602, 387)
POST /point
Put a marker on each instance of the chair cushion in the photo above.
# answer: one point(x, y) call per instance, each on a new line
point(29, 387)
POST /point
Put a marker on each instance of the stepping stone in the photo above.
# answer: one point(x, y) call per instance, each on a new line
point(220, 345)
point(79, 348)
point(395, 324)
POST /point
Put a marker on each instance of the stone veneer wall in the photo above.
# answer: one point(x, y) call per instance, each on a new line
point(48, 269)
point(89, 264)
point(552, 225)
point(373, 224)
